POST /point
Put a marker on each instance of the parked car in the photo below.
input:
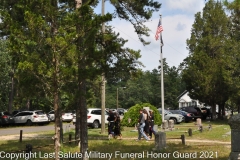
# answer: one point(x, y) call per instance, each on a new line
point(121, 111)
point(113, 110)
point(196, 111)
point(74, 118)
point(94, 117)
point(177, 118)
point(67, 116)
point(15, 112)
point(51, 115)
point(6, 118)
point(30, 117)
point(187, 116)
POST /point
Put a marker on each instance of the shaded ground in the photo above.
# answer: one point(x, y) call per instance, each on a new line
point(42, 136)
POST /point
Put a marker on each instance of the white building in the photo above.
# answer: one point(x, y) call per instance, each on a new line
point(185, 101)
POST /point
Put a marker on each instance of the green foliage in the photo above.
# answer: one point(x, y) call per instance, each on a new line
point(207, 73)
point(133, 114)
point(5, 59)
point(234, 8)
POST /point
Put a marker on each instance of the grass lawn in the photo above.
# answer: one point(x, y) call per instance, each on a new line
point(129, 149)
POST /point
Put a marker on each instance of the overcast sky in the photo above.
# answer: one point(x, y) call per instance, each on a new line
point(177, 20)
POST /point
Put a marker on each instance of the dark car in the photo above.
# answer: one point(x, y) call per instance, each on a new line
point(6, 118)
point(187, 116)
point(196, 111)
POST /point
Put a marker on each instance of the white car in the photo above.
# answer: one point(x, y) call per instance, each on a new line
point(74, 118)
point(30, 117)
point(94, 117)
point(67, 116)
point(177, 118)
point(51, 115)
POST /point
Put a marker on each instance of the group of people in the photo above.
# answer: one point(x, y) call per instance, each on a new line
point(114, 127)
point(146, 124)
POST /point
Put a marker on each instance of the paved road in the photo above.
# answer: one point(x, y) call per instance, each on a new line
point(31, 129)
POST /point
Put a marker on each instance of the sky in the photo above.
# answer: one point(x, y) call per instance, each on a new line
point(177, 19)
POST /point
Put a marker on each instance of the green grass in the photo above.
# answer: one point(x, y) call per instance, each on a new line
point(99, 143)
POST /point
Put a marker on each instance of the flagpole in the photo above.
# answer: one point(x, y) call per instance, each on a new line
point(162, 84)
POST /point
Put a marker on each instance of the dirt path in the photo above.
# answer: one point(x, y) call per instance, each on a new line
point(42, 136)
point(25, 136)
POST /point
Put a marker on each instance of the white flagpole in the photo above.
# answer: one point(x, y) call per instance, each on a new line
point(162, 84)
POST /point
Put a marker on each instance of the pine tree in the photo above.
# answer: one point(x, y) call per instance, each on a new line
point(206, 73)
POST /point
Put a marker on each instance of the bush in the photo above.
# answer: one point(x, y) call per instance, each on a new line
point(133, 114)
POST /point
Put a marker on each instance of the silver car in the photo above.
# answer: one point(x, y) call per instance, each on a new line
point(177, 118)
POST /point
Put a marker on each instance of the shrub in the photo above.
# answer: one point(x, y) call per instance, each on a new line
point(133, 114)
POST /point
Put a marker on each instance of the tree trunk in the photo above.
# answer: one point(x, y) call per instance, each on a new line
point(57, 125)
point(77, 125)
point(56, 81)
point(83, 121)
point(11, 94)
point(82, 90)
point(213, 111)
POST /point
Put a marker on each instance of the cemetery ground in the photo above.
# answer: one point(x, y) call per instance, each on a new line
point(211, 143)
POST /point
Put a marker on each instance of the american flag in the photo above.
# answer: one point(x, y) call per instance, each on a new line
point(159, 30)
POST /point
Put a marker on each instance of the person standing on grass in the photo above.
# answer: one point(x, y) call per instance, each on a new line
point(147, 122)
point(151, 129)
point(111, 121)
point(141, 124)
point(117, 126)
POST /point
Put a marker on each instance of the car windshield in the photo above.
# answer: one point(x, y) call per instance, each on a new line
point(6, 113)
point(167, 112)
point(39, 112)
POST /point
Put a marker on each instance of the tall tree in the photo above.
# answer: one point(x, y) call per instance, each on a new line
point(37, 42)
point(5, 75)
point(206, 71)
point(234, 8)
point(52, 40)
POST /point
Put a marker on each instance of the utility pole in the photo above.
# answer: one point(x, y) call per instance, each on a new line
point(103, 81)
point(117, 98)
point(117, 95)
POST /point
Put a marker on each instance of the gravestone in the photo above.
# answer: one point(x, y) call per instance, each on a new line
point(165, 124)
point(234, 123)
point(155, 128)
point(171, 124)
point(160, 140)
point(199, 121)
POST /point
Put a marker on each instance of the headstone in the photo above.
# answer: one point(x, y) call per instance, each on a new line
point(165, 124)
point(234, 123)
point(199, 121)
point(155, 128)
point(160, 140)
point(171, 124)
